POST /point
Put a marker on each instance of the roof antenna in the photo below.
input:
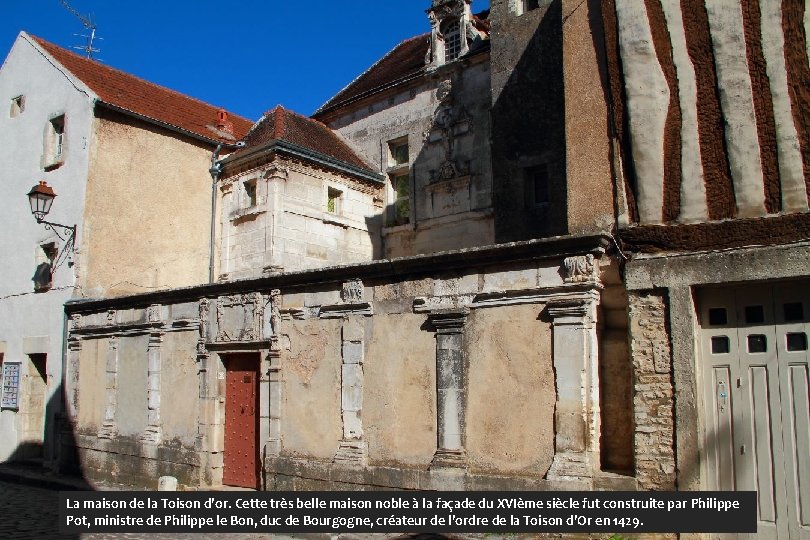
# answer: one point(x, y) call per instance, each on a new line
point(89, 25)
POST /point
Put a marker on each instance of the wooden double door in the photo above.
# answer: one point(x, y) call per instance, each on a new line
point(242, 463)
point(754, 367)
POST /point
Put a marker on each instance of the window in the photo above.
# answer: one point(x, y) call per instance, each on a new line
point(333, 198)
point(399, 174)
point(398, 152)
point(250, 193)
point(55, 142)
point(537, 185)
point(529, 5)
point(17, 106)
point(43, 275)
point(402, 200)
point(452, 40)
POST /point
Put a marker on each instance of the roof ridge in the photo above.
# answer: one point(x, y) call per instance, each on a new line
point(45, 43)
point(372, 66)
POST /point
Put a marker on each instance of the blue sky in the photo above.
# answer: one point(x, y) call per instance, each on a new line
point(246, 56)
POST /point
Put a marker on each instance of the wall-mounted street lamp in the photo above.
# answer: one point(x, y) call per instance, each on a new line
point(41, 198)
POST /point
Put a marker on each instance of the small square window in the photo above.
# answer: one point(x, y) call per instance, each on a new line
point(718, 316)
point(794, 311)
point(529, 5)
point(757, 343)
point(796, 341)
point(17, 106)
point(398, 152)
point(537, 185)
point(251, 198)
point(333, 200)
point(754, 314)
point(720, 345)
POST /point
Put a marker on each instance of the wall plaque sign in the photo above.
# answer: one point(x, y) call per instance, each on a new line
point(11, 386)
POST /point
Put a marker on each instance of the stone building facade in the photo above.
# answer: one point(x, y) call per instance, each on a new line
point(582, 264)
point(362, 327)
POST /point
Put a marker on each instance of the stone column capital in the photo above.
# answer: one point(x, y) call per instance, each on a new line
point(449, 321)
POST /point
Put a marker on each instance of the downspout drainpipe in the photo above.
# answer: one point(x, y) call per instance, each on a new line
point(216, 172)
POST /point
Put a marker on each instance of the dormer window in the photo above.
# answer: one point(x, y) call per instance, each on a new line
point(452, 40)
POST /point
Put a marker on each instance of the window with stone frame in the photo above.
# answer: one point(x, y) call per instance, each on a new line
point(334, 199)
point(451, 30)
point(55, 142)
point(17, 106)
point(399, 176)
point(251, 197)
point(44, 261)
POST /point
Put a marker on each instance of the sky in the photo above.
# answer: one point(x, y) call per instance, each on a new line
point(244, 55)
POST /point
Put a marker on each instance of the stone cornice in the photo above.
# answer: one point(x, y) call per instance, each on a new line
point(442, 262)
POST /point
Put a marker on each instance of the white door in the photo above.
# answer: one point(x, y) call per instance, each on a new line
point(754, 367)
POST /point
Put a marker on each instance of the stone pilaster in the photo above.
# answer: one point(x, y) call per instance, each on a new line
point(109, 426)
point(451, 387)
point(353, 448)
point(273, 407)
point(576, 411)
point(276, 178)
point(154, 432)
point(74, 351)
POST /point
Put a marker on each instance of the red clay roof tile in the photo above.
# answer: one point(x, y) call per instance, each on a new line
point(285, 125)
point(144, 98)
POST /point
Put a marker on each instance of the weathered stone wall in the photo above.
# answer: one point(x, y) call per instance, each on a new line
point(446, 122)
point(653, 402)
point(443, 373)
point(169, 205)
point(311, 405)
point(131, 397)
point(400, 381)
point(510, 421)
point(179, 377)
point(93, 367)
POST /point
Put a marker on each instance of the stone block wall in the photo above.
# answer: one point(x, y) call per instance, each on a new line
point(290, 223)
point(443, 374)
point(653, 402)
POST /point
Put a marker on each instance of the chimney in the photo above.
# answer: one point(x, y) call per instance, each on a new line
point(223, 124)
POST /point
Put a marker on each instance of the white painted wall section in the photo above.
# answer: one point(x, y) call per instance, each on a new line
point(647, 103)
point(791, 171)
point(737, 102)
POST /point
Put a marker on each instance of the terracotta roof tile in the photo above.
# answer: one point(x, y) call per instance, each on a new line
point(404, 61)
point(285, 125)
point(144, 98)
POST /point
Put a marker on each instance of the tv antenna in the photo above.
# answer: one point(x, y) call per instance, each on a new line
point(91, 28)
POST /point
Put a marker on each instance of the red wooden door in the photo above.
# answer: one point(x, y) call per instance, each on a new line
point(241, 420)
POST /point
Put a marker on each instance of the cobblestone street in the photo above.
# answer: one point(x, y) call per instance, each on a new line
point(32, 513)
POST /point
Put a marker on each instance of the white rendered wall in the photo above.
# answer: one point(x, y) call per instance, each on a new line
point(33, 322)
